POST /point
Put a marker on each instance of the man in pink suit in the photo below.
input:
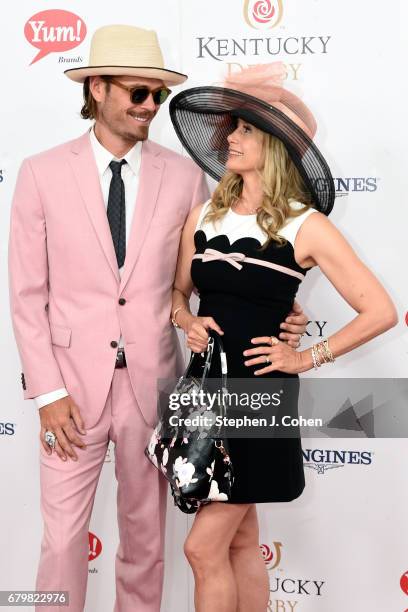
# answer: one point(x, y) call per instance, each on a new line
point(95, 228)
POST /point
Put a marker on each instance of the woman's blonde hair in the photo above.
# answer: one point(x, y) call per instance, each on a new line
point(281, 183)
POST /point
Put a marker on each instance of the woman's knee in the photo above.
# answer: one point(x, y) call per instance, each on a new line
point(196, 551)
point(207, 545)
point(203, 555)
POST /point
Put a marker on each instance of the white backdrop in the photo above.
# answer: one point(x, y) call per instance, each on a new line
point(342, 545)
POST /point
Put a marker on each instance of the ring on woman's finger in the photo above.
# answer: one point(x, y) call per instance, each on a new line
point(274, 340)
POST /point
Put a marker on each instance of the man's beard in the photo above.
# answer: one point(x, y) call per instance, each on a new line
point(141, 133)
point(142, 130)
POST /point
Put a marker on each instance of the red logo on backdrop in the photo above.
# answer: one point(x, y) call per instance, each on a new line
point(263, 14)
point(95, 546)
point(271, 558)
point(404, 583)
point(54, 31)
point(267, 553)
point(406, 318)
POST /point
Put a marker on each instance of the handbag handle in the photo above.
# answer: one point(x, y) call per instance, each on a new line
point(213, 340)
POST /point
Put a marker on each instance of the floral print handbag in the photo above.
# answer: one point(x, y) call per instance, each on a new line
point(194, 456)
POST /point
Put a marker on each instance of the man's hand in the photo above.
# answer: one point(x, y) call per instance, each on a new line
point(294, 326)
point(63, 418)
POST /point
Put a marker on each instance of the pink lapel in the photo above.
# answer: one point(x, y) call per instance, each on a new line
point(83, 164)
point(151, 171)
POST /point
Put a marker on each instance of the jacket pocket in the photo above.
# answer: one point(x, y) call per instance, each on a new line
point(60, 336)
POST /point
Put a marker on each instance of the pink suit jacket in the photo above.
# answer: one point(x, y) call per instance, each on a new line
point(64, 278)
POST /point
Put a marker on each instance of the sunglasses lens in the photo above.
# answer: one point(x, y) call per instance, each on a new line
point(139, 95)
point(160, 95)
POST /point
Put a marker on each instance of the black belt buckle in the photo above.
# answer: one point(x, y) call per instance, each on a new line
point(120, 359)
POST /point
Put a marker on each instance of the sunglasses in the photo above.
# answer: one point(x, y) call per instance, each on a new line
point(140, 93)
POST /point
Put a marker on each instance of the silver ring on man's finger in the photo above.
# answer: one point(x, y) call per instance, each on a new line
point(267, 360)
point(50, 438)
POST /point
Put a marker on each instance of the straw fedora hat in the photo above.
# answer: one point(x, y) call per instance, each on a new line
point(122, 50)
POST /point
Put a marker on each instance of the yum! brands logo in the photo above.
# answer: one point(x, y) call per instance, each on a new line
point(404, 583)
point(263, 14)
point(95, 546)
point(54, 31)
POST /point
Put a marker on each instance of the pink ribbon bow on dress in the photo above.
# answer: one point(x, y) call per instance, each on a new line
point(232, 258)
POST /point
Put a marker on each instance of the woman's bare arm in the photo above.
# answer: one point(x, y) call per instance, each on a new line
point(319, 241)
point(183, 285)
point(194, 327)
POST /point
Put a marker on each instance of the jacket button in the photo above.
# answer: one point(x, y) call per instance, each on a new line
point(122, 301)
point(114, 344)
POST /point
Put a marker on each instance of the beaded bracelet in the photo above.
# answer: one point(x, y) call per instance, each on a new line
point(321, 353)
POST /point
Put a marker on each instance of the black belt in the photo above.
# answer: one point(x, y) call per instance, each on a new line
point(121, 359)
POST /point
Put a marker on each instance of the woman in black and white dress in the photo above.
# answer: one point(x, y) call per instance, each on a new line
point(246, 251)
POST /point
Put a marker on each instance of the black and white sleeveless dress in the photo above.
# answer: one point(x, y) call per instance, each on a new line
point(249, 293)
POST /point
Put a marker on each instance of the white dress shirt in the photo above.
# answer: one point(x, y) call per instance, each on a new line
point(130, 176)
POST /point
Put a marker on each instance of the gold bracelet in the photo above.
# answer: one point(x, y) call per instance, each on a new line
point(328, 351)
point(316, 357)
point(321, 353)
point(325, 351)
point(173, 318)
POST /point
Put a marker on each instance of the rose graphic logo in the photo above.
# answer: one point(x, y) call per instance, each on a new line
point(263, 11)
point(54, 31)
point(263, 14)
point(271, 558)
point(266, 553)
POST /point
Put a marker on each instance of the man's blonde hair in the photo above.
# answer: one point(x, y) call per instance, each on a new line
point(89, 109)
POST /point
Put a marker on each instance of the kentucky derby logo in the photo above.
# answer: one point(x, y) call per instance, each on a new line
point(263, 14)
point(271, 557)
point(95, 546)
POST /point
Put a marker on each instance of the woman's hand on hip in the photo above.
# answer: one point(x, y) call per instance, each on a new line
point(294, 326)
point(272, 355)
point(197, 334)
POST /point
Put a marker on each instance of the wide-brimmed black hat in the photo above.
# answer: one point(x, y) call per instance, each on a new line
point(203, 118)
